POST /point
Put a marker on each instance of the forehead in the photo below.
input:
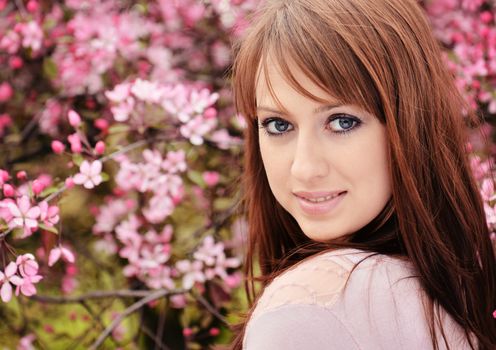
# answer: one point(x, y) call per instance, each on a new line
point(283, 82)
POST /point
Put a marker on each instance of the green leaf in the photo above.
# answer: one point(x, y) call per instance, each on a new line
point(222, 203)
point(77, 159)
point(49, 68)
point(48, 191)
point(49, 228)
point(196, 178)
point(118, 128)
point(105, 176)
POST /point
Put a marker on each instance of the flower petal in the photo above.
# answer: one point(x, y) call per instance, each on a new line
point(54, 256)
point(10, 270)
point(6, 292)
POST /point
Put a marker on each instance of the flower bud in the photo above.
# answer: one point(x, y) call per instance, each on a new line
point(101, 124)
point(210, 113)
point(75, 142)
point(15, 62)
point(74, 118)
point(32, 6)
point(69, 182)
point(211, 178)
point(37, 187)
point(8, 190)
point(21, 175)
point(100, 148)
point(6, 92)
point(57, 147)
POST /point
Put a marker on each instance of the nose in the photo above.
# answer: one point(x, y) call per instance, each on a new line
point(310, 161)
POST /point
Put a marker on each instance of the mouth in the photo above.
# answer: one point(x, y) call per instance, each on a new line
point(319, 203)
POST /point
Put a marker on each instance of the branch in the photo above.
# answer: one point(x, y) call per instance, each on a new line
point(133, 308)
point(210, 308)
point(103, 295)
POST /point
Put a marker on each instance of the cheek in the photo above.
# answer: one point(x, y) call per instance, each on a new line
point(276, 164)
point(372, 172)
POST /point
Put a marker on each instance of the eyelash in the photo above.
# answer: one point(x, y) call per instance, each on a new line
point(335, 117)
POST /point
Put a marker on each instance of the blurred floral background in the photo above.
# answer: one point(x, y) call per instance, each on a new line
point(120, 159)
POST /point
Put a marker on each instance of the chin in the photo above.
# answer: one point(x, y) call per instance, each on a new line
point(326, 237)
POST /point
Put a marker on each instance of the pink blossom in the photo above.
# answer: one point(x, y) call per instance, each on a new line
point(32, 35)
point(147, 91)
point(50, 117)
point(22, 175)
point(6, 278)
point(32, 6)
point(490, 214)
point(175, 162)
point(57, 147)
point(69, 284)
point(196, 128)
point(159, 208)
point(4, 176)
point(75, 141)
point(110, 214)
point(6, 92)
point(178, 301)
point(192, 272)
point(233, 280)
point(120, 93)
point(37, 187)
point(10, 42)
point(49, 214)
point(8, 190)
point(27, 265)
point(60, 252)
point(89, 174)
point(5, 122)
point(122, 111)
point(16, 62)
point(27, 287)
point(487, 190)
point(100, 148)
point(74, 118)
point(26, 342)
point(23, 215)
point(187, 332)
point(101, 124)
point(69, 182)
point(159, 277)
point(211, 178)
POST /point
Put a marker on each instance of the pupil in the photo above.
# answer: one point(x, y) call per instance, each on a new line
point(281, 125)
point(345, 123)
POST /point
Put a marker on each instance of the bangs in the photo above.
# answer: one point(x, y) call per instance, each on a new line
point(295, 36)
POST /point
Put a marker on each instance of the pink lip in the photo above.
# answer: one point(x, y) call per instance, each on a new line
point(321, 207)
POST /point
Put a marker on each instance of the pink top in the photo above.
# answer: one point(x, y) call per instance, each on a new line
point(308, 307)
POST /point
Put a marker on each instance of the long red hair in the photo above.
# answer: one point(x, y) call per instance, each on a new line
point(381, 56)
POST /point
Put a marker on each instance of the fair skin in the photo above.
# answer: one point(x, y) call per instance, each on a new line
point(326, 163)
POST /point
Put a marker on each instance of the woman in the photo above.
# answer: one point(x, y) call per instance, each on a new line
point(364, 216)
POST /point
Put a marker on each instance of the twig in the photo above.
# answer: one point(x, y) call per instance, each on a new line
point(160, 327)
point(133, 308)
point(125, 149)
point(21, 8)
point(157, 340)
point(210, 308)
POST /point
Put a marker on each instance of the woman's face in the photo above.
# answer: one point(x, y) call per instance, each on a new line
point(326, 163)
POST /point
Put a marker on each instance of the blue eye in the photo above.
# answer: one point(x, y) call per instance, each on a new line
point(341, 123)
point(276, 126)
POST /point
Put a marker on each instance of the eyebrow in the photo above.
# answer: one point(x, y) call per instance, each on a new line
point(315, 111)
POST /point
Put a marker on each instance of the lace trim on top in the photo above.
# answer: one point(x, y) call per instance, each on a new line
point(318, 280)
